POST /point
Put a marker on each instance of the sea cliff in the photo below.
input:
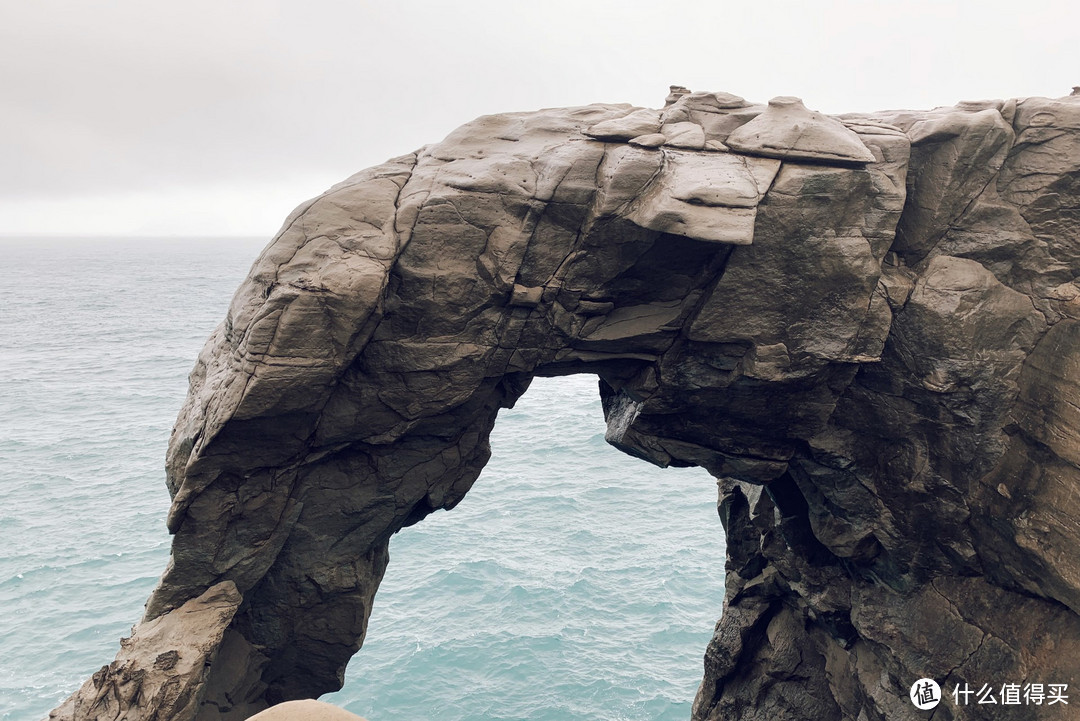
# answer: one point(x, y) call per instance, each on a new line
point(864, 326)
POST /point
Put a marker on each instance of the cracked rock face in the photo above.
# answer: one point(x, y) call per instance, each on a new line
point(865, 327)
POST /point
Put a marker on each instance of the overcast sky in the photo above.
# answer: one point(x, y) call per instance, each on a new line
point(218, 117)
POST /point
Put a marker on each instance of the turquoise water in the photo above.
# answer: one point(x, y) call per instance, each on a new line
point(573, 582)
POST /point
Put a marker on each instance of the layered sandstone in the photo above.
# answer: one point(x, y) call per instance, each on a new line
point(866, 327)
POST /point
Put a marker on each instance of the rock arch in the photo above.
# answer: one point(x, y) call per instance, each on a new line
point(864, 326)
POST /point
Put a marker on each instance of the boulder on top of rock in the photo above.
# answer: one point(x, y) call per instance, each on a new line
point(674, 93)
point(789, 131)
point(639, 122)
point(684, 135)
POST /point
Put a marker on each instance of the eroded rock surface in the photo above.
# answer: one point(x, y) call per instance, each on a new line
point(161, 670)
point(866, 327)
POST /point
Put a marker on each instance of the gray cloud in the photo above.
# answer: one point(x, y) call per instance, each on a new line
point(126, 95)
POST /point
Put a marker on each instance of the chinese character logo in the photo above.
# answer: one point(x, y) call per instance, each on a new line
point(1012, 694)
point(925, 693)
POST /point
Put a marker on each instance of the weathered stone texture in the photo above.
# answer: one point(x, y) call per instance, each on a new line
point(866, 327)
point(163, 667)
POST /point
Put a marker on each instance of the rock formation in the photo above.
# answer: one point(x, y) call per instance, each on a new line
point(866, 327)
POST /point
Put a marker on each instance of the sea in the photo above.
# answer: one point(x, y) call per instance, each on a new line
point(573, 582)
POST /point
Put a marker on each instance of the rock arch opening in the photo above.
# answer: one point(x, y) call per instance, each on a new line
point(571, 582)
